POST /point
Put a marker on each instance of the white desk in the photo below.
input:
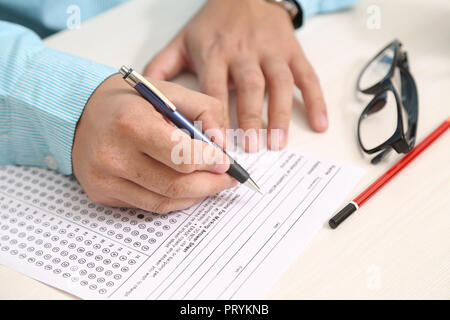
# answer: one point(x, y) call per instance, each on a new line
point(398, 245)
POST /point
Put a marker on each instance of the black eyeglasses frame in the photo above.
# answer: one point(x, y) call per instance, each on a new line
point(400, 141)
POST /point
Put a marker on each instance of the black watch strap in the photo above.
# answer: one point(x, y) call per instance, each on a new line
point(297, 21)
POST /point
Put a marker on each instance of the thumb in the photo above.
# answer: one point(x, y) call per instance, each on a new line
point(168, 62)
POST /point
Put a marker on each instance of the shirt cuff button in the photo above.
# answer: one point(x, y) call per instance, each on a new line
point(51, 162)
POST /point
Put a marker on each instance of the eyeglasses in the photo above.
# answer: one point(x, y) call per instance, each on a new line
point(389, 121)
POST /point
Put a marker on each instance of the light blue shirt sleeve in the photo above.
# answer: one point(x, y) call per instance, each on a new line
point(46, 17)
point(313, 7)
point(42, 95)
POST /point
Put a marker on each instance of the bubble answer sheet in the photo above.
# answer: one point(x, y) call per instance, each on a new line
point(234, 245)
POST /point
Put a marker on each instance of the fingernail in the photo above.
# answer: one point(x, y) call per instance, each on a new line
point(281, 138)
point(321, 121)
point(254, 140)
point(277, 139)
point(251, 142)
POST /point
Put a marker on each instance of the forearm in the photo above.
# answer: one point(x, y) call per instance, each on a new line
point(42, 95)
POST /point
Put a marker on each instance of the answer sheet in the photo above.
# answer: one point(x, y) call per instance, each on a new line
point(234, 245)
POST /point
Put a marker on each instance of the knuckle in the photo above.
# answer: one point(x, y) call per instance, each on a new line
point(283, 78)
point(121, 164)
point(97, 186)
point(101, 156)
point(215, 47)
point(105, 159)
point(108, 186)
point(253, 80)
point(92, 180)
point(214, 88)
point(176, 189)
point(309, 77)
point(125, 123)
point(133, 173)
point(279, 121)
point(114, 203)
point(241, 45)
point(162, 206)
point(249, 118)
point(208, 52)
point(187, 167)
point(94, 196)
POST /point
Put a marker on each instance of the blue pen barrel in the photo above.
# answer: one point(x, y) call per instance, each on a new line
point(177, 118)
point(235, 170)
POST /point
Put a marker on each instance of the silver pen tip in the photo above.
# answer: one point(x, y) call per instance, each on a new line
point(252, 184)
point(124, 70)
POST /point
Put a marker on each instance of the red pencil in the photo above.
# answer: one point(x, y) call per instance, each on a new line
point(386, 177)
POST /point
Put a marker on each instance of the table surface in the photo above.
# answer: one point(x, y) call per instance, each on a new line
point(398, 245)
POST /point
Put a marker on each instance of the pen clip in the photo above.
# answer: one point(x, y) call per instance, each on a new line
point(133, 78)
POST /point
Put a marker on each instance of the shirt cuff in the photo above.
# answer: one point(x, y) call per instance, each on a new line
point(49, 98)
point(313, 7)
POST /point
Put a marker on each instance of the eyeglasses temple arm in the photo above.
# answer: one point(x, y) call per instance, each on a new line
point(380, 156)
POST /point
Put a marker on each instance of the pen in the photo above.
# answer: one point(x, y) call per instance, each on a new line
point(166, 108)
point(386, 177)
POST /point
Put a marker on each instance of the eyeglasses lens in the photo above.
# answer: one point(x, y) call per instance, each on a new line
point(378, 69)
point(379, 122)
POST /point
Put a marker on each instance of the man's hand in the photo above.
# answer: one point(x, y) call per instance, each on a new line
point(122, 153)
point(252, 42)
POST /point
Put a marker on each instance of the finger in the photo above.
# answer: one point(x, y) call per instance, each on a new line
point(281, 86)
point(111, 202)
point(213, 81)
point(142, 198)
point(98, 196)
point(168, 62)
point(175, 148)
point(205, 111)
point(194, 105)
point(157, 177)
point(307, 81)
point(249, 81)
point(119, 204)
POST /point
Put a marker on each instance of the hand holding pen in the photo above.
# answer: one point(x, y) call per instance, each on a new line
point(164, 106)
point(122, 149)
